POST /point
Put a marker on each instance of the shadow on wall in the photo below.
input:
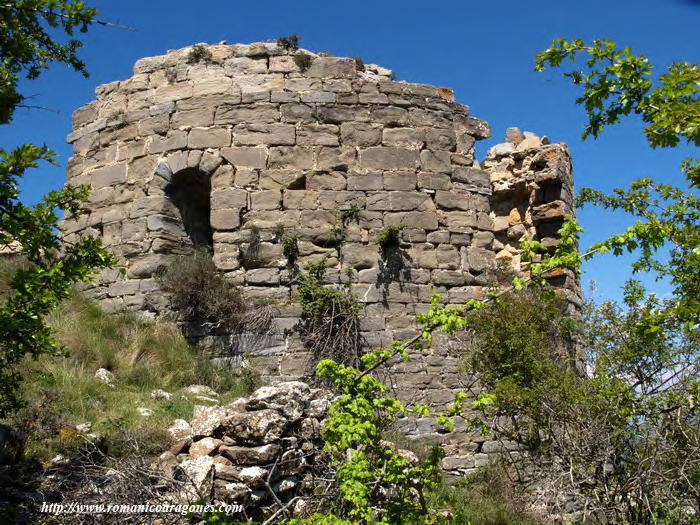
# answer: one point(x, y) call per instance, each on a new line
point(190, 191)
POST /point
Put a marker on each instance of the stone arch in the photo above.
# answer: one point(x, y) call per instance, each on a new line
point(190, 191)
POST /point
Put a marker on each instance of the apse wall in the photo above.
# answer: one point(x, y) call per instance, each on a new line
point(233, 146)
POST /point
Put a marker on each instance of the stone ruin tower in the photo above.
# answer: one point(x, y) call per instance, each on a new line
point(225, 145)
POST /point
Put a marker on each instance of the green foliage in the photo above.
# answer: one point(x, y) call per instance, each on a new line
point(289, 42)
point(330, 316)
point(520, 352)
point(61, 391)
point(369, 468)
point(303, 61)
point(388, 237)
point(624, 452)
point(54, 266)
point(667, 216)
point(28, 47)
point(200, 293)
point(643, 355)
point(617, 82)
point(198, 53)
point(28, 43)
point(290, 248)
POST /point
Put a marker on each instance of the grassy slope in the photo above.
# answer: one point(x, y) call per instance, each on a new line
point(61, 391)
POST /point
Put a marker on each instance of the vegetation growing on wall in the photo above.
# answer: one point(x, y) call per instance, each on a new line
point(303, 61)
point(388, 237)
point(198, 53)
point(289, 42)
point(330, 324)
point(199, 292)
point(290, 248)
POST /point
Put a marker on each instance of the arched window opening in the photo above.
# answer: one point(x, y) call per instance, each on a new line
point(190, 191)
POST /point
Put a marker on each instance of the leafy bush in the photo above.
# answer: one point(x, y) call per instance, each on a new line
point(199, 292)
point(607, 439)
point(518, 339)
point(376, 482)
point(303, 61)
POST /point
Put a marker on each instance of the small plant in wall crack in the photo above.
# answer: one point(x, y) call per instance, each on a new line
point(359, 63)
point(389, 237)
point(289, 42)
point(198, 53)
point(349, 214)
point(290, 248)
point(303, 61)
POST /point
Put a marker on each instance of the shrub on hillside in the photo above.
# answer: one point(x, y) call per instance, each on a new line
point(486, 497)
point(62, 392)
point(199, 292)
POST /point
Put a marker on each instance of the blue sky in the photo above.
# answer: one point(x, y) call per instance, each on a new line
point(483, 50)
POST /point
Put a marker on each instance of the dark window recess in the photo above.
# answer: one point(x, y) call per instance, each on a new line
point(190, 191)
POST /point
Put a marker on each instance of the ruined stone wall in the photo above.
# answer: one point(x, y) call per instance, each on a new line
point(231, 144)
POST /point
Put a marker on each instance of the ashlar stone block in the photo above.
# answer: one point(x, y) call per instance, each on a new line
point(386, 158)
point(209, 138)
point(266, 200)
point(253, 157)
point(269, 134)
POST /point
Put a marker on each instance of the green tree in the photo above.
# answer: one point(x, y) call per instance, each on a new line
point(28, 48)
point(624, 438)
point(616, 83)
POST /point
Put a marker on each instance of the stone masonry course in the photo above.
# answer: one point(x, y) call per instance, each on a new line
point(230, 149)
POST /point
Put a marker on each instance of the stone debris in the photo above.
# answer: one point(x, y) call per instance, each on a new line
point(83, 428)
point(200, 390)
point(105, 376)
point(246, 451)
point(180, 429)
point(160, 394)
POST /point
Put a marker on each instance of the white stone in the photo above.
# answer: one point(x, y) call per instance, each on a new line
point(200, 390)
point(180, 429)
point(160, 394)
point(83, 427)
point(105, 376)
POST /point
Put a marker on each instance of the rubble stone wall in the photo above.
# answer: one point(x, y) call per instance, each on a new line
point(233, 144)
